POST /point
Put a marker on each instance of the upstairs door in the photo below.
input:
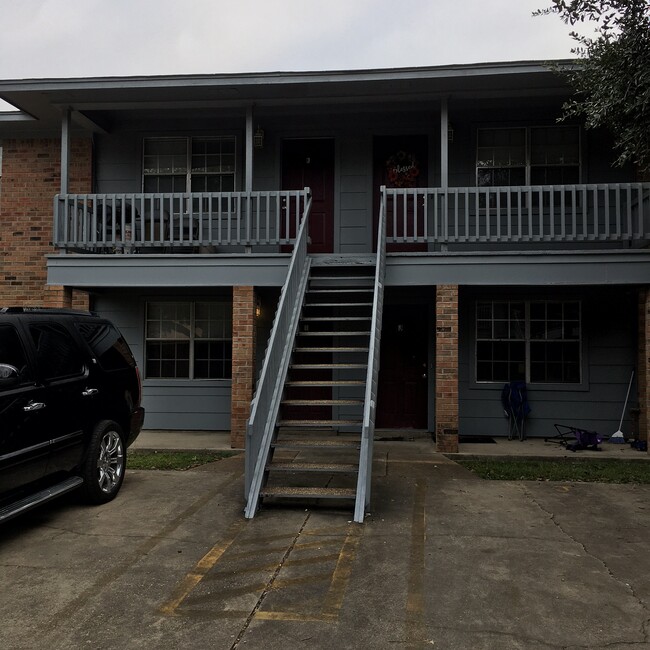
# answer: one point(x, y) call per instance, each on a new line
point(400, 162)
point(310, 163)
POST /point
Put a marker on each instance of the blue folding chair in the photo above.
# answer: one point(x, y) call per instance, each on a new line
point(514, 398)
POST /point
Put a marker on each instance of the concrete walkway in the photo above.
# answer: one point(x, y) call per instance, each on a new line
point(533, 447)
point(444, 560)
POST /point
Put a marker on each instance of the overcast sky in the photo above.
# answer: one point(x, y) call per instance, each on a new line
point(86, 38)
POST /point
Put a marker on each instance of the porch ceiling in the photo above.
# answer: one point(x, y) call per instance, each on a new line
point(43, 99)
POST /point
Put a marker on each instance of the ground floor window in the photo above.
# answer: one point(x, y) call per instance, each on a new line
point(537, 341)
point(188, 340)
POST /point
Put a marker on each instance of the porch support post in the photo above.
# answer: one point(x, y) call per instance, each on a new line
point(243, 362)
point(444, 144)
point(249, 150)
point(447, 368)
point(643, 372)
point(65, 151)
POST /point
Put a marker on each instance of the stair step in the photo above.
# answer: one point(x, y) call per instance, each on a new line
point(308, 492)
point(330, 468)
point(325, 382)
point(323, 424)
point(331, 349)
point(332, 319)
point(335, 333)
point(316, 443)
point(322, 402)
point(328, 366)
point(338, 304)
point(343, 290)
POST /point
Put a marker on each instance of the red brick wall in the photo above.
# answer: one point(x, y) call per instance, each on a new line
point(243, 362)
point(447, 368)
point(31, 176)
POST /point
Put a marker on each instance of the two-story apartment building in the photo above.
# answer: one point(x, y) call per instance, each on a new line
point(509, 247)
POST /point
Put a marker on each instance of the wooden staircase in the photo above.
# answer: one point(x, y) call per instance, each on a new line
point(315, 450)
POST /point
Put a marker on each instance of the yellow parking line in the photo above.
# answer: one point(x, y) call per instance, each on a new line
point(202, 567)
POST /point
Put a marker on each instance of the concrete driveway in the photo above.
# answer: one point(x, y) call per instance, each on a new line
point(445, 560)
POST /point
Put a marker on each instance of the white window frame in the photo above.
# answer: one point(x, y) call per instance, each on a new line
point(528, 145)
point(191, 338)
point(187, 169)
point(526, 337)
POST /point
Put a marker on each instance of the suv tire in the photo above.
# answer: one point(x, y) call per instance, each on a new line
point(103, 468)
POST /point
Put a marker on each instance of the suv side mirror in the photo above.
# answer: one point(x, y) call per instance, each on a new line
point(9, 375)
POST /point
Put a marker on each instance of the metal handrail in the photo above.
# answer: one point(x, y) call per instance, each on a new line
point(364, 479)
point(266, 401)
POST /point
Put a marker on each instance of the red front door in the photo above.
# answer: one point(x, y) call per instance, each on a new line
point(402, 395)
point(400, 162)
point(310, 163)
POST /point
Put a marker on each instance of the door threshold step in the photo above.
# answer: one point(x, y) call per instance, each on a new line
point(322, 402)
point(308, 492)
point(321, 424)
point(329, 468)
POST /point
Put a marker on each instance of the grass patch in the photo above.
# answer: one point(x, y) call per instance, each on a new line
point(588, 471)
point(176, 460)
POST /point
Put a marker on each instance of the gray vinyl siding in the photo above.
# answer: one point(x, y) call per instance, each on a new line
point(609, 344)
point(355, 195)
point(170, 403)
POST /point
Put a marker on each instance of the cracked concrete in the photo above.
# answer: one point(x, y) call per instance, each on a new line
point(445, 560)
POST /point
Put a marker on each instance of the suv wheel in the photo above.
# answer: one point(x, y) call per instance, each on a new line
point(103, 469)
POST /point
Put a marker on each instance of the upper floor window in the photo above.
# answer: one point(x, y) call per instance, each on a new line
point(205, 164)
point(544, 155)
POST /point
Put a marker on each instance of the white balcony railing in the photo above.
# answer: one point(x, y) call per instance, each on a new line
point(550, 213)
point(479, 216)
point(174, 221)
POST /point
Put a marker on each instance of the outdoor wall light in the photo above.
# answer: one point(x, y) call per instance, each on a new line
point(258, 138)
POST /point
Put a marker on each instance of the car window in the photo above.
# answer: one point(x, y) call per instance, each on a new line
point(107, 344)
point(12, 351)
point(57, 354)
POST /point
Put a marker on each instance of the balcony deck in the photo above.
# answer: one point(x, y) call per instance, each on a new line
point(575, 234)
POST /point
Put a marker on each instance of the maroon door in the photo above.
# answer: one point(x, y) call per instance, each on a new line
point(402, 398)
point(310, 163)
point(401, 162)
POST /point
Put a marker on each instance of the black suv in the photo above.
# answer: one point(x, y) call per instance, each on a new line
point(70, 397)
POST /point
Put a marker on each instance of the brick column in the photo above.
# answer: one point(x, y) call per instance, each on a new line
point(447, 368)
point(31, 176)
point(243, 362)
point(644, 363)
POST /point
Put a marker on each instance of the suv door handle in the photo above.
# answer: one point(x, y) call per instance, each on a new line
point(88, 392)
point(33, 406)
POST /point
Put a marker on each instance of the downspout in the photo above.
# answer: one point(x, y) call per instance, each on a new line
point(444, 158)
point(65, 151)
point(248, 173)
point(444, 144)
point(248, 156)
